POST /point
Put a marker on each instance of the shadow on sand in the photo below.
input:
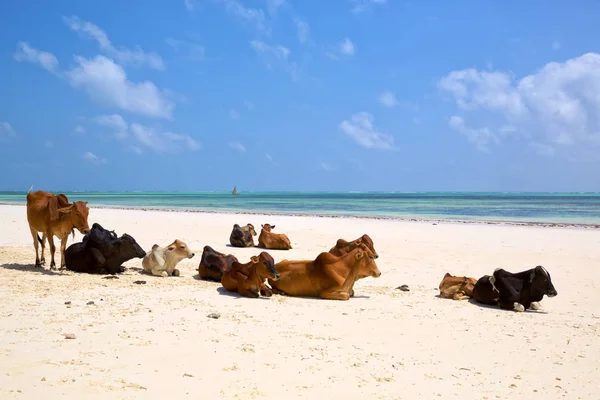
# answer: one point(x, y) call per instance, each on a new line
point(473, 301)
point(32, 268)
point(225, 292)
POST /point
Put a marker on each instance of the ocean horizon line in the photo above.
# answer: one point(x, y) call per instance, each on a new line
point(307, 192)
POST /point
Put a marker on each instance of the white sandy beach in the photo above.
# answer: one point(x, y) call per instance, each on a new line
point(145, 341)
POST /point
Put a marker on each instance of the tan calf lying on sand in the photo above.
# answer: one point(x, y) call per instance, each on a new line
point(162, 261)
point(274, 241)
point(328, 276)
point(457, 287)
point(344, 247)
point(249, 279)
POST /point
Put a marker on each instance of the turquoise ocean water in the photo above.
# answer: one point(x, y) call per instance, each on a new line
point(561, 208)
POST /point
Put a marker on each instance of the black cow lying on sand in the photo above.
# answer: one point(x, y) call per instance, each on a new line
point(241, 236)
point(102, 252)
point(518, 292)
point(212, 264)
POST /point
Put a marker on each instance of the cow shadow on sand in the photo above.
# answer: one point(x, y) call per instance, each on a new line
point(497, 308)
point(236, 295)
point(32, 268)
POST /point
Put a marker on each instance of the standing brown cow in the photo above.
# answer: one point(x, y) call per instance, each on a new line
point(53, 215)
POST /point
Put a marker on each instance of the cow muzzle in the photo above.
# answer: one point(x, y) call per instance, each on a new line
point(552, 293)
point(192, 255)
point(276, 277)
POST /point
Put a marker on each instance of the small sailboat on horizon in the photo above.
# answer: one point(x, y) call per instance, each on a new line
point(234, 190)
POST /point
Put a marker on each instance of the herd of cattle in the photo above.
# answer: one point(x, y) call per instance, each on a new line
point(331, 275)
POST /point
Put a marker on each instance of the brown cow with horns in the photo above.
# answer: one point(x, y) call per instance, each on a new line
point(54, 215)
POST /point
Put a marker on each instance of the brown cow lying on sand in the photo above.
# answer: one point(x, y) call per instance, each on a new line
point(344, 247)
point(273, 241)
point(249, 279)
point(213, 263)
point(457, 287)
point(54, 215)
point(328, 276)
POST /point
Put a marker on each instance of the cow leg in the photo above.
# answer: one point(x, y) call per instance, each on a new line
point(52, 250)
point(63, 246)
point(334, 295)
point(160, 272)
point(34, 234)
point(265, 291)
point(43, 243)
point(247, 292)
point(535, 306)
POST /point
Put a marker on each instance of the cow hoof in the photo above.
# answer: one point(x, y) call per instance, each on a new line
point(164, 274)
point(535, 306)
point(518, 307)
point(176, 272)
point(266, 293)
point(38, 265)
point(52, 267)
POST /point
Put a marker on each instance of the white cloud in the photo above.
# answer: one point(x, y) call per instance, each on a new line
point(27, 53)
point(363, 5)
point(273, 6)
point(303, 30)
point(136, 57)
point(252, 15)
point(556, 45)
point(115, 122)
point(190, 5)
point(553, 110)
point(162, 142)
point(278, 51)
point(6, 131)
point(347, 47)
point(270, 158)
point(361, 128)
point(388, 99)
point(192, 50)
point(79, 129)
point(237, 146)
point(325, 167)
point(106, 82)
point(249, 105)
point(136, 149)
point(482, 138)
point(275, 53)
point(234, 114)
point(94, 159)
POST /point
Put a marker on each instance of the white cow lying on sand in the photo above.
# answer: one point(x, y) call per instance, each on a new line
point(161, 261)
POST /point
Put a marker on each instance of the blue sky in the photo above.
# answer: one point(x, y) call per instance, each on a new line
point(197, 95)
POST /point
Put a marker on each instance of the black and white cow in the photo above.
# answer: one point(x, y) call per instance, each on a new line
point(518, 292)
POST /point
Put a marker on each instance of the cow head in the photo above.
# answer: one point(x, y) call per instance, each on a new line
point(265, 266)
point(251, 229)
point(129, 247)
point(180, 250)
point(368, 266)
point(267, 227)
point(541, 282)
point(366, 239)
point(78, 213)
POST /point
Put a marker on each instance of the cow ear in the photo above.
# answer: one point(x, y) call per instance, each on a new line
point(254, 259)
point(170, 248)
point(262, 225)
point(66, 209)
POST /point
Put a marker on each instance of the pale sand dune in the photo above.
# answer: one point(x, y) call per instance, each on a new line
point(144, 341)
